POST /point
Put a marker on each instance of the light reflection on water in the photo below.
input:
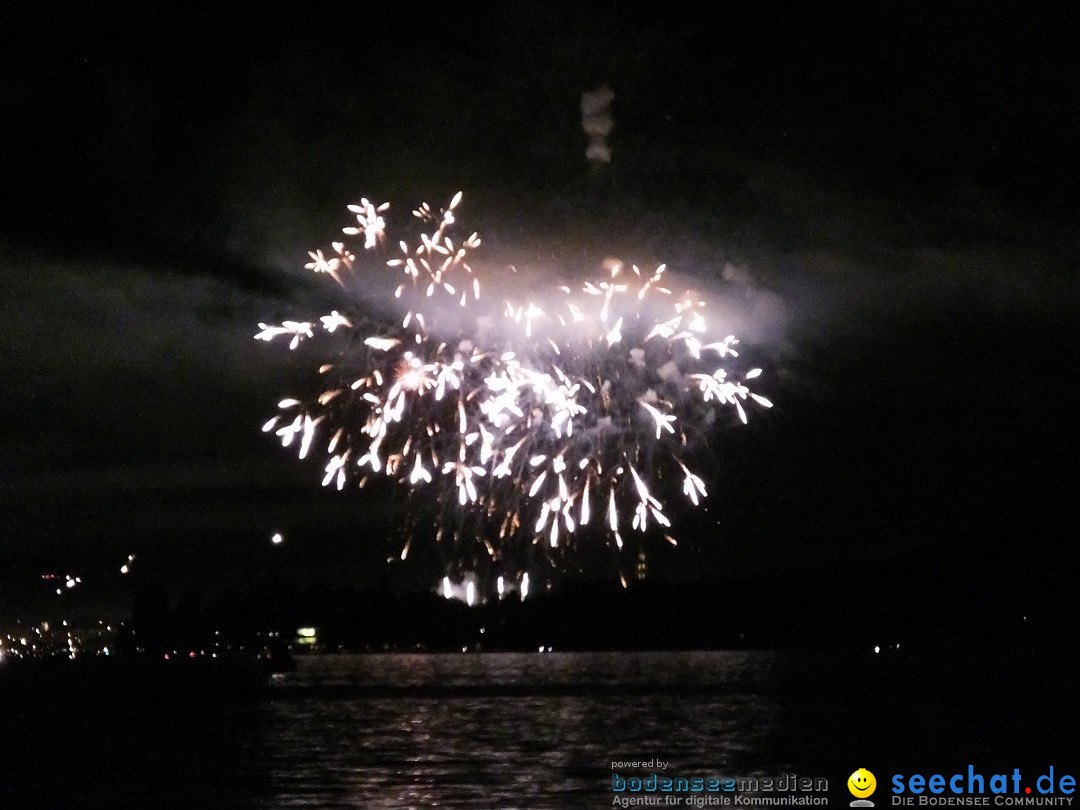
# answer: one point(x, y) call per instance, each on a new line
point(459, 740)
point(578, 672)
point(491, 752)
point(531, 730)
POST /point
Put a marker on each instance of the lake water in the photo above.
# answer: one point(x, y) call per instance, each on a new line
point(534, 730)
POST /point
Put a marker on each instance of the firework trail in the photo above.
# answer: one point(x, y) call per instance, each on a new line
point(528, 428)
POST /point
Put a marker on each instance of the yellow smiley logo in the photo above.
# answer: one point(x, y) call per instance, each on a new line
point(861, 783)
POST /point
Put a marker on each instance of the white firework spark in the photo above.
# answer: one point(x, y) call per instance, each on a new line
point(527, 420)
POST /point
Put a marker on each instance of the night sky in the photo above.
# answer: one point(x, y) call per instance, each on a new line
point(884, 195)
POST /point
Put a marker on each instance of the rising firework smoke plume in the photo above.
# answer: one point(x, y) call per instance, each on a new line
point(526, 428)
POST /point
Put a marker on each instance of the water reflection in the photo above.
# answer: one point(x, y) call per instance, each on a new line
point(468, 744)
point(536, 731)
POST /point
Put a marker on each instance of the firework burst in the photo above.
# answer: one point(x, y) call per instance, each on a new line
point(528, 428)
